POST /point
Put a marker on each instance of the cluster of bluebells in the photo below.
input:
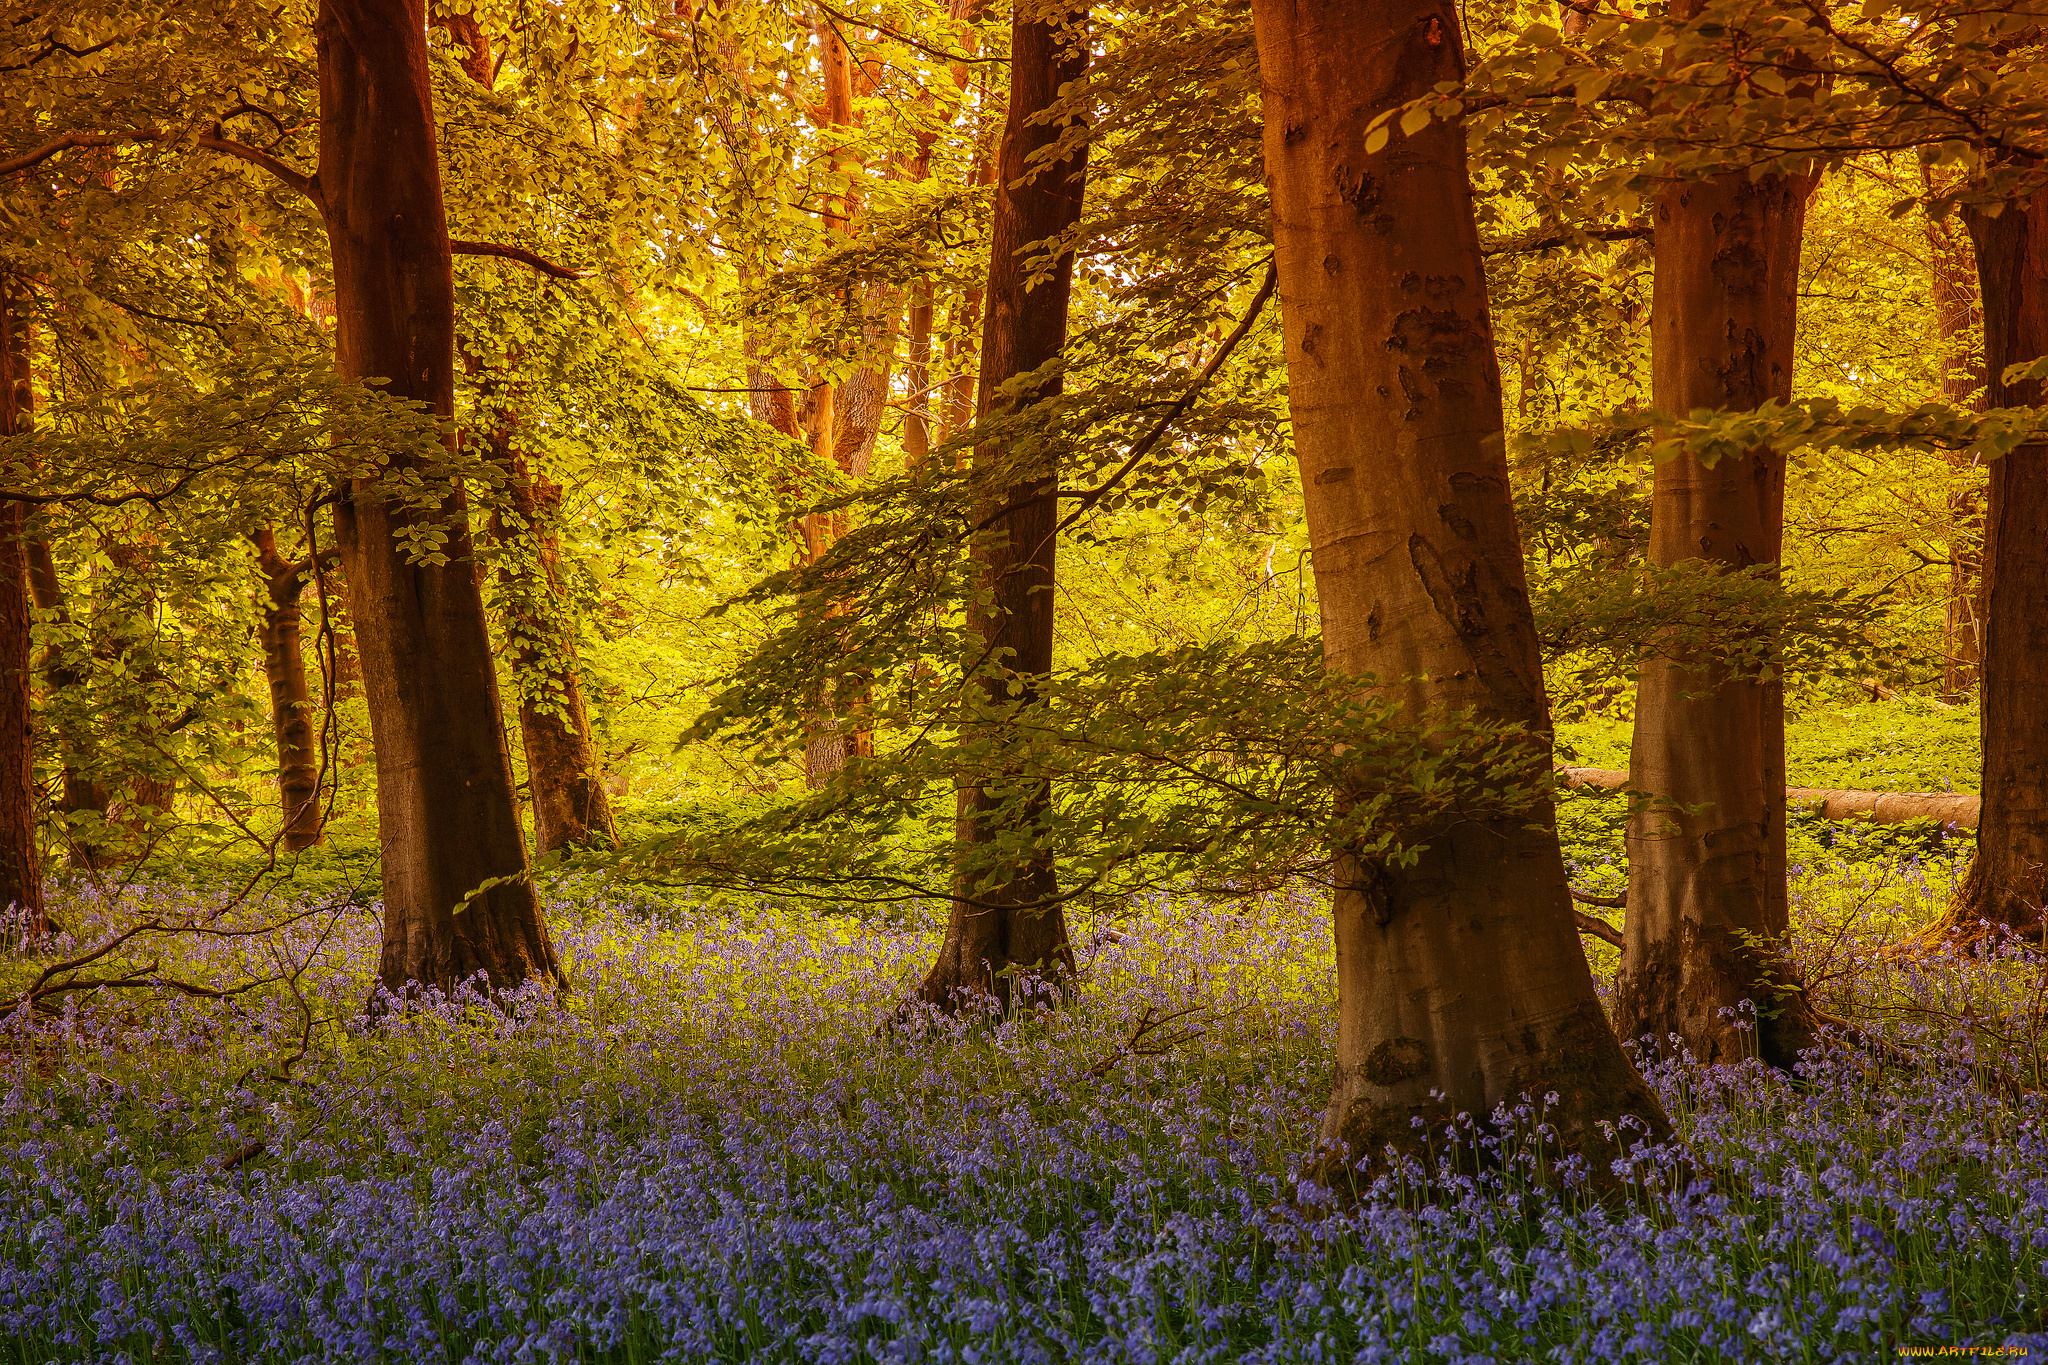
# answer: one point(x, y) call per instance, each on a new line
point(730, 1141)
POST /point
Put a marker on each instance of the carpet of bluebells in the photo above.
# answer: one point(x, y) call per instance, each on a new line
point(728, 1143)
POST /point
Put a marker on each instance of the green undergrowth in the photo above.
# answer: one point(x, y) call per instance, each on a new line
point(1904, 744)
point(1900, 745)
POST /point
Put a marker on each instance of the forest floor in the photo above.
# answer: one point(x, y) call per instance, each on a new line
point(726, 1143)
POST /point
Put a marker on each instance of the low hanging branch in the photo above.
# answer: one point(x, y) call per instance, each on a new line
point(1089, 497)
point(307, 185)
point(69, 975)
point(1598, 928)
point(1172, 415)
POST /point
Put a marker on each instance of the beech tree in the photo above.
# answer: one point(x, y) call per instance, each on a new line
point(21, 882)
point(1706, 846)
point(2008, 881)
point(1461, 982)
point(291, 701)
point(446, 815)
point(1011, 919)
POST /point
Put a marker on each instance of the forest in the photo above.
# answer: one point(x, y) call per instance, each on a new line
point(912, 680)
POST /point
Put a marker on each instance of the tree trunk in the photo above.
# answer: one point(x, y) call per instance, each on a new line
point(1959, 318)
point(291, 702)
point(564, 775)
point(864, 396)
point(2008, 879)
point(82, 794)
point(447, 817)
point(21, 882)
point(769, 400)
point(852, 419)
point(142, 798)
point(1707, 850)
point(917, 410)
point(1012, 920)
point(956, 394)
point(1461, 981)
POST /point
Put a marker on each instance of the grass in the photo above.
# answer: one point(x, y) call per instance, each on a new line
point(1903, 744)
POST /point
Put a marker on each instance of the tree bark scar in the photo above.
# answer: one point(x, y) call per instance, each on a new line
point(1739, 268)
point(1438, 342)
point(1435, 287)
point(1745, 371)
point(1376, 889)
point(1453, 592)
point(1362, 192)
point(1396, 1060)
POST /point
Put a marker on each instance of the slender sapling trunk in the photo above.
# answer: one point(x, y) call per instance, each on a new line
point(1009, 923)
point(21, 882)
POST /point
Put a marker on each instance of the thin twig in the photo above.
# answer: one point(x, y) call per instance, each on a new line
point(1143, 1043)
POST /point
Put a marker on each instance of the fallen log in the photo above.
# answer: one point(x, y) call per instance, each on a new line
point(1831, 803)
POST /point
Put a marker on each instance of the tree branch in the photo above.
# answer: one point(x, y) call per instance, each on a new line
point(65, 144)
point(298, 180)
point(1527, 245)
point(1151, 438)
point(1087, 498)
point(165, 317)
point(1598, 928)
point(963, 58)
point(213, 141)
point(519, 254)
point(54, 47)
